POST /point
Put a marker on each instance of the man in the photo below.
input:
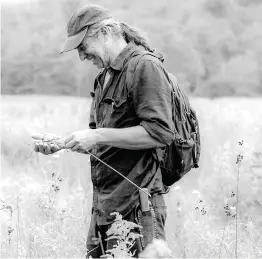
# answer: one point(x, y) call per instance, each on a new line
point(130, 118)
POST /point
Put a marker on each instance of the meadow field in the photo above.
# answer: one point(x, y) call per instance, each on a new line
point(214, 211)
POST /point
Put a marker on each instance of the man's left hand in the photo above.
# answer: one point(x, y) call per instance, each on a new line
point(81, 140)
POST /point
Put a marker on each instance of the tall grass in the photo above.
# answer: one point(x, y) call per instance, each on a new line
point(46, 200)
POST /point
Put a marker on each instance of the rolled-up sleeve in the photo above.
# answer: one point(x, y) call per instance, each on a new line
point(152, 97)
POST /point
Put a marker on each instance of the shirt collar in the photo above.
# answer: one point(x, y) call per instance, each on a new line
point(125, 54)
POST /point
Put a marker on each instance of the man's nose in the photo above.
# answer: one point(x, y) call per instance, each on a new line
point(81, 55)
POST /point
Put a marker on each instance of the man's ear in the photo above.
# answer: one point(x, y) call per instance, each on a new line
point(105, 32)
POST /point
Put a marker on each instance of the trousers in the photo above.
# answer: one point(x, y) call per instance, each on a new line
point(151, 229)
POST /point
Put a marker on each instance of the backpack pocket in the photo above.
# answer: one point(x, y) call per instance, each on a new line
point(177, 160)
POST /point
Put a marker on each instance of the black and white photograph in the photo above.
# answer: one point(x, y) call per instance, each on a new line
point(131, 129)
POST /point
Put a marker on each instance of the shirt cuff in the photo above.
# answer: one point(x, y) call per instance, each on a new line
point(158, 132)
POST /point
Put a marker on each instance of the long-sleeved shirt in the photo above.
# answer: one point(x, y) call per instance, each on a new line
point(145, 101)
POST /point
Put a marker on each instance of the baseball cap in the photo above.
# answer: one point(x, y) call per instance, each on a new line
point(79, 23)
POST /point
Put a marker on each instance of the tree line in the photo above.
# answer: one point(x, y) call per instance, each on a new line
point(214, 47)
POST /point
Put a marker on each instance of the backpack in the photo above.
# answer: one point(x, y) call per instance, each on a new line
point(183, 153)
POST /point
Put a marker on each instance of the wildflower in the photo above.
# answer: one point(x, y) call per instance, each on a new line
point(10, 230)
point(240, 143)
point(121, 230)
point(239, 158)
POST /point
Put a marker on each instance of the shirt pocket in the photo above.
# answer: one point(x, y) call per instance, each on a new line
point(115, 112)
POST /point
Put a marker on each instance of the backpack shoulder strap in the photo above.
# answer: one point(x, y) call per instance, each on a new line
point(132, 65)
point(133, 62)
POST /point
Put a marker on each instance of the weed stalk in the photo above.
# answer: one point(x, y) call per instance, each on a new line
point(239, 159)
point(17, 227)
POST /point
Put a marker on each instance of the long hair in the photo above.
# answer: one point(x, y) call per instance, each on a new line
point(120, 29)
point(132, 34)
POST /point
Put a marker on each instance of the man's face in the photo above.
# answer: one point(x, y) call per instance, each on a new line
point(94, 49)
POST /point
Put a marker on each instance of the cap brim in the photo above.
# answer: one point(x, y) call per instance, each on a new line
point(73, 42)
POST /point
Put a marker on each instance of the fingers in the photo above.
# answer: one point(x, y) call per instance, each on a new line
point(38, 136)
point(54, 148)
point(46, 148)
point(44, 137)
point(68, 139)
point(40, 148)
point(70, 142)
point(82, 151)
point(78, 149)
point(36, 148)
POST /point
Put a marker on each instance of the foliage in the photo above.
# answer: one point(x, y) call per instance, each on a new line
point(50, 231)
point(124, 233)
point(213, 46)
